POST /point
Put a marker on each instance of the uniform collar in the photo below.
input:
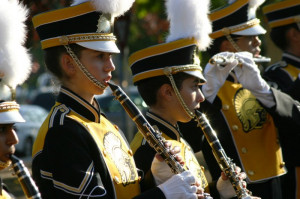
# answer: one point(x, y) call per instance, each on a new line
point(164, 126)
point(79, 105)
point(291, 59)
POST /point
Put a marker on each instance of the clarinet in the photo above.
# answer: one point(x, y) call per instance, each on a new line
point(28, 185)
point(225, 163)
point(153, 137)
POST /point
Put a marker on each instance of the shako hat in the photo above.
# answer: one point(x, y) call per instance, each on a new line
point(15, 61)
point(189, 32)
point(282, 13)
point(237, 18)
point(86, 23)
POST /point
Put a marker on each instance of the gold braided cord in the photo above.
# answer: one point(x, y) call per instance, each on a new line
point(233, 43)
point(237, 28)
point(168, 73)
point(87, 37)
point(9, 106)
point(182, 68)
point(83, 69)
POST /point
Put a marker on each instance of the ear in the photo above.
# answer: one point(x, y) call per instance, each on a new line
point(68, 64)
point(226, 46)
point(166, 92)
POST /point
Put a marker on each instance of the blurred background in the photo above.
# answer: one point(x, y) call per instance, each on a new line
point(144, 25)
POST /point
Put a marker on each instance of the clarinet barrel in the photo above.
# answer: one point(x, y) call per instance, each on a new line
point(28, 185)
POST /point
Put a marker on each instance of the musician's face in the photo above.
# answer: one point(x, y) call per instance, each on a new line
point(249, 43)
point(98, 64)
point(8, 139)
point(191, 95)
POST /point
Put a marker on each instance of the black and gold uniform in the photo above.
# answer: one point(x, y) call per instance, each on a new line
point(284, 75)
point(78, 153)
point(144, 154)
point(248, 134)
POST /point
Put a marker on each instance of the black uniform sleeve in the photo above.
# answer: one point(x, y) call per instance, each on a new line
point(72, 156)
point(286, 115)
point(279, 79)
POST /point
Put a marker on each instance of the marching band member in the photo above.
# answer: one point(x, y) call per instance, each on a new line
point(79, 153)
point(15, 66)
point(168, 77)
point(284, 20)
point(245, 112)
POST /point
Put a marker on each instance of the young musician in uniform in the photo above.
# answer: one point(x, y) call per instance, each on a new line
point(168, 77)
point(15, 66)
point(284, 21)
point(241, 106)
point(78, 153)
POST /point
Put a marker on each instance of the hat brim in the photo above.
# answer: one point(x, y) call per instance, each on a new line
point(10, 117)
point(103, 46)
point(254, 30)
point(198, 74)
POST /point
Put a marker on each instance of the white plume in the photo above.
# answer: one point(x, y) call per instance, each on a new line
point(189, 18)
point(15, 61)
point(115, 7)
point(253, 5)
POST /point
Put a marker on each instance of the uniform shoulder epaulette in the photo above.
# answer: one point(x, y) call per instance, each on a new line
point(277, 65)
point(58, 115)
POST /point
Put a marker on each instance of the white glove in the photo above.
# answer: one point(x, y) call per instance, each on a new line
point(216, 75)
point(249, 76)
point(225, 189)
point(180, 186)
point(161, 171)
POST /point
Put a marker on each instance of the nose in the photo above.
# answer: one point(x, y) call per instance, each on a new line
point(110, 65)
point(200, 96)
point(12, 138)
point(256, 41)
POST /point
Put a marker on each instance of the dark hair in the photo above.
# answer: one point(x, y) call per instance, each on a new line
point(148, 87)
point(53, 55)
point(278, 35)
point(215, 47)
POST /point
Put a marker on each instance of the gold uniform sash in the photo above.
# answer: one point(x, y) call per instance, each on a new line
point(118, 157)
point(186, 153)
point(253, 131)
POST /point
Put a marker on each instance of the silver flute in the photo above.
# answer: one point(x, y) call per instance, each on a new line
point(223, 60)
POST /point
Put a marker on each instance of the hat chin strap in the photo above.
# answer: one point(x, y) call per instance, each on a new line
point(233, 43)
point(4, 165)
point(168, 73)
point(83, 69)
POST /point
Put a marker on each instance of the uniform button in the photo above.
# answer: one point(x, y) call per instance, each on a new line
point(250, 172)
point(235, 127)
point(117, 180)
point(62, 110)
point(225, 107)
point(244, 150)
point(130, 152)
point(282, 164)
